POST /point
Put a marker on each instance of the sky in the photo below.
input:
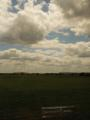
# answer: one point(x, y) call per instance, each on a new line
point(44, 36)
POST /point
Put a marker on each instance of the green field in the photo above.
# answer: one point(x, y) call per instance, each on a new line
point(22, 93)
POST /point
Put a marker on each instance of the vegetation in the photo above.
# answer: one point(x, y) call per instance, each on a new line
point(22, 93)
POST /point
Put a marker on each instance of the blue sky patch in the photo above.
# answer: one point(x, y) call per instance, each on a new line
point(67, 36)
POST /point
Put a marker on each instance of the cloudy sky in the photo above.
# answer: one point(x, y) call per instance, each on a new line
point(44, 36)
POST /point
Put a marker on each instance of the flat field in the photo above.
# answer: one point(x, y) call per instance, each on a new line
point(24, 94)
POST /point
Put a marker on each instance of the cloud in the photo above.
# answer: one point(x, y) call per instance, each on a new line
point(23, 31)
point(79, 49)
point(17, 5)
point(4, 5)
point(15, 54)
point(50, 56)
point(29, 25)
point(82, 27)
point(77, 15)
point(75, 8)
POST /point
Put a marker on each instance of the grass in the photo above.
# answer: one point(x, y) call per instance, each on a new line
point(30, 92)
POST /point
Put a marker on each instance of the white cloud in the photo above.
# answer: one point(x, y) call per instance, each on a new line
point(59, 57)
point(4, 4)
point(26, 26)
point(82, 27)
point(29, 25)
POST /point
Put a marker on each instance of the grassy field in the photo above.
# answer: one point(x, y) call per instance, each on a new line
point(22, 93)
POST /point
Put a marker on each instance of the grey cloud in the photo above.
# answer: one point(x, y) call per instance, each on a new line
point(77, 15)
point(75, 8)
point(23, 31)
